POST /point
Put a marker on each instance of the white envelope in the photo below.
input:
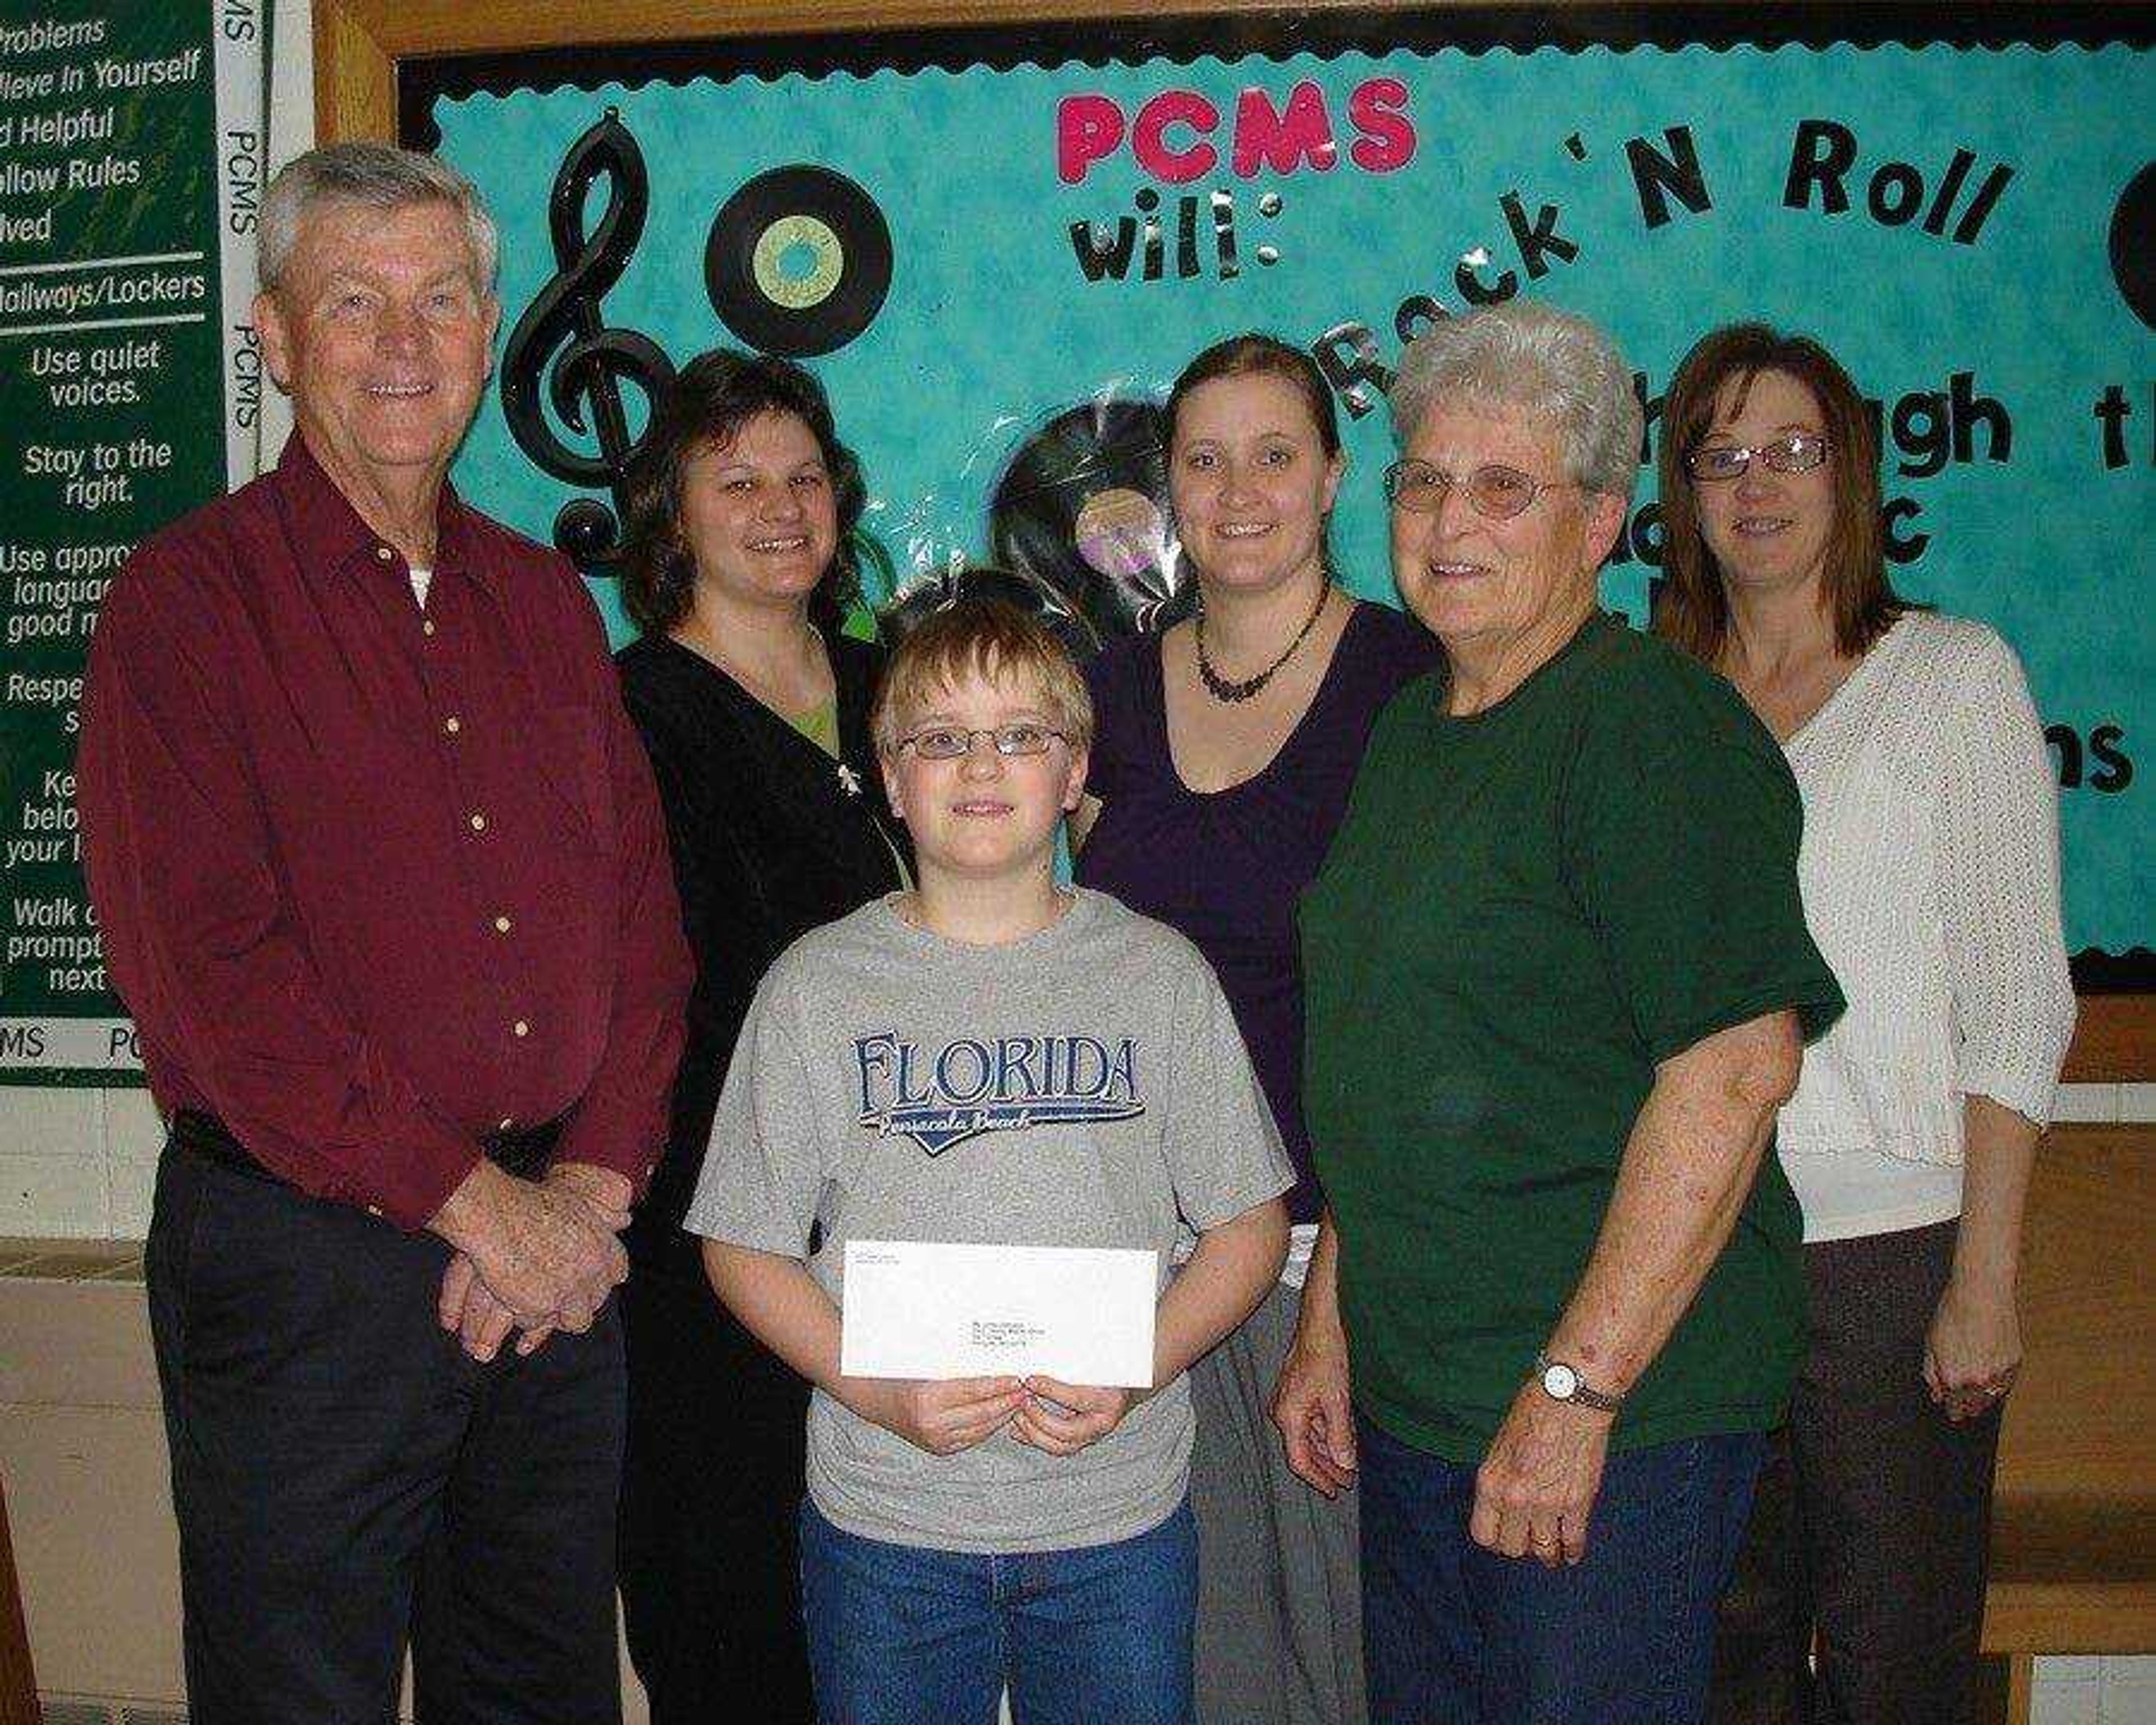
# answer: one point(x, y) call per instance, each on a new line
point(921, 1309)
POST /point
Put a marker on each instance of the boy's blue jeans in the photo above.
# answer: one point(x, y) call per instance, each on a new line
point(1457, 1635)
point(1099, 1636)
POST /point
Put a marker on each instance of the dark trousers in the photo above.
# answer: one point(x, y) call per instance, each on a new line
point(1453, 1634)
point(344, 1475)
point(711, 1579)
point(1872, 1515)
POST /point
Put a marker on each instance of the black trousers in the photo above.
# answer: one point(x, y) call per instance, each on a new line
point(711, 1575)
point(1872, 1515)
point(345, 1476)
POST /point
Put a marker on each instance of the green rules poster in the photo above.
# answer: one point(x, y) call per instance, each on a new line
point(130, 172)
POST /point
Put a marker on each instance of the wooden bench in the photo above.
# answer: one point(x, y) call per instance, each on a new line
point(2073, 1538)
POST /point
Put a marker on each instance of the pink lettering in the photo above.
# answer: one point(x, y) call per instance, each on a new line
point(1387, 140)
point(1088, 129)
point(1283, 141)
point(1149, 142)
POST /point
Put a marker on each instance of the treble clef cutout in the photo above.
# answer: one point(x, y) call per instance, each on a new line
point(562, 349)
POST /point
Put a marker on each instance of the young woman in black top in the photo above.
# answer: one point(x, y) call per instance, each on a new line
point(754, 709)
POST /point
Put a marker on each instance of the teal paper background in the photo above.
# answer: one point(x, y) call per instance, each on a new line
point(990, 327)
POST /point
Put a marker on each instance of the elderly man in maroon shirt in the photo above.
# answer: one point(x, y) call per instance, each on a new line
point(383, 880)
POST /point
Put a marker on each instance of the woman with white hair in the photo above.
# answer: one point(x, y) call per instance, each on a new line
point(1557, 981)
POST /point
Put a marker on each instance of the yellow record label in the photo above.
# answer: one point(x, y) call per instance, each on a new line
point(798, 262)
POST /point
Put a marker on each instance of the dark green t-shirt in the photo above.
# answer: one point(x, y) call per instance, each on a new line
point(1525, 910)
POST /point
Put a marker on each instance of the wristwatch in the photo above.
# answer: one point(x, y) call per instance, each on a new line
point(1562, 1383)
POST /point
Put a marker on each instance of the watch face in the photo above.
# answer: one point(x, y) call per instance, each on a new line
point(1561, 1381)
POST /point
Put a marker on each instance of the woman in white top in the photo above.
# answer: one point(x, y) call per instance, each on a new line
point(1931, 881)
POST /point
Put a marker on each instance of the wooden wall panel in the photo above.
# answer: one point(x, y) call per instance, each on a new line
point(18, 1686)
point(400, 27)
point(2114, 1041)
point(355, 73)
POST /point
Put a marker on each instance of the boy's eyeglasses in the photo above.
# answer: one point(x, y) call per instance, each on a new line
point(1495, 493)
point(946, 742)
point(1793, 452)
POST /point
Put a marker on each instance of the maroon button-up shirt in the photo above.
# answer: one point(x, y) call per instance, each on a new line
point(374, 880)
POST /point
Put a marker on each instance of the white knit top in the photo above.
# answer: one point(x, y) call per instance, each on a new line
point(1930, 873)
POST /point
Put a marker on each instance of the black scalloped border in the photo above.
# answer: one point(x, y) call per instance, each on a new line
point(2132, 972)
point(1185, 37)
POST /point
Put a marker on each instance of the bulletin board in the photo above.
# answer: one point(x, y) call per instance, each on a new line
point(996, 243)
point(131, 165)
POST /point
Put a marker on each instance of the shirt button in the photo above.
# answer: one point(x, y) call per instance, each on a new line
point(502, 925)
point(427, 626)
point(383, 554)
point(453, 724)
point(374, 1209)
point(479, 822)
point(506, 1122)
point(519, 1028)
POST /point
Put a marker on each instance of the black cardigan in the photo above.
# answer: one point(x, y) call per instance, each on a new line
point(770, 838)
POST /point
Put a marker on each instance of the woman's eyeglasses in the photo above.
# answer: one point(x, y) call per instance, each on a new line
point(1494, 492)
point(1793, 452)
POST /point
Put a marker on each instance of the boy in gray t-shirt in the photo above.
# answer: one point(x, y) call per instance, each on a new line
point(989, 1060)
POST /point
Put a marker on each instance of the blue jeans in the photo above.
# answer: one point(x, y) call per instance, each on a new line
point(1456, 1635)
point(1098, 1636)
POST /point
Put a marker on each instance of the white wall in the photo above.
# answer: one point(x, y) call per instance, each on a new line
point(2094, 1691)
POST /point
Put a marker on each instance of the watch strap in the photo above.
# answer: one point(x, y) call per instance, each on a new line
point(1581, 1396)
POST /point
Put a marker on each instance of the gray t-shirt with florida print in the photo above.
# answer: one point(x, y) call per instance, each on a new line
point(1086, 1087)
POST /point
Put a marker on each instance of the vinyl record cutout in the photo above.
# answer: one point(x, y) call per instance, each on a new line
point(2133, 244)
point(798, 261)
point(1083, 506)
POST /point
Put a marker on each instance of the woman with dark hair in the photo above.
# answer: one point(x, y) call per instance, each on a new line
point(1222, 756)
point(1929, 872)
point(754, 708)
